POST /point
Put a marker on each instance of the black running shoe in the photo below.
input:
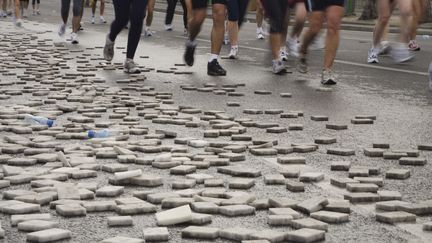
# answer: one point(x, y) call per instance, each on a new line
point(189, 54)
point(214, 69)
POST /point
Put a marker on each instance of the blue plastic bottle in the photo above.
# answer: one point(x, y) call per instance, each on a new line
point(38, 120)
point(101, 133)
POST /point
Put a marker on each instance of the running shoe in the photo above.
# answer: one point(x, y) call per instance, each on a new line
point(80, 27)
point(373, 55)
point(385, 48)
point(302, 66)
point(148, 32)
point(92, 19)
point(38, 12)
point(278, 67)
point(62, 29)
point(260, 36)
point(328, 77)
point(317, 44)
point(130, 67)
point(413, 45)
point(283, 54)
point(189, 54)
point(233, 53)
point(102, 20)
point(74, 38)
point(2, 14)
point(108, 49)
point(401, 54)
point(293, 47)
point(168, 27)
point(214, 69)
point(34, 13)
point(17, 22)
point(185, 32)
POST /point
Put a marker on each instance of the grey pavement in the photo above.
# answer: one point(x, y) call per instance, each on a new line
point(396, 94)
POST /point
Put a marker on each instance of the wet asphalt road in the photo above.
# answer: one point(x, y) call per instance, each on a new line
point(396, 94)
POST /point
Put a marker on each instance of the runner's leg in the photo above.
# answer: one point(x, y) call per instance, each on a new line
point(334, 16)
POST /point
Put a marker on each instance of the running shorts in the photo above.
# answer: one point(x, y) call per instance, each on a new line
point(199, 4)
point(322, 5)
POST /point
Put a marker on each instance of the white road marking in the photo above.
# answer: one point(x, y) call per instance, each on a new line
point(339, 61)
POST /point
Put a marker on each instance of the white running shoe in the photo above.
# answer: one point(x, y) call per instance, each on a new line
point(130, 67)
point(317, 44)
point(278, 67)
point(62, 29)
point(102, 20)
point(233, 53)
point(74, 38)
point(92, 19)
point(148, 32)
point(385, 48)
point(401, 54)
point(168, 27)
point(260, 36)
point(17, 22)
point(293, 47)
point(373, 55)
point(328, 77)
point(283, 54)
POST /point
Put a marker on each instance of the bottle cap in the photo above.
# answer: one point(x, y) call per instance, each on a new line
point(91, 134)
point(50, 123)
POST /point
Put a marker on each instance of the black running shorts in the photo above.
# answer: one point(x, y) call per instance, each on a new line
point(322, 5)
point(197, 4)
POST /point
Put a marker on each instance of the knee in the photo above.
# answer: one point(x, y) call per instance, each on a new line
point(218, 16)
point(384, 19)
point(333, 25)
point(406, 12)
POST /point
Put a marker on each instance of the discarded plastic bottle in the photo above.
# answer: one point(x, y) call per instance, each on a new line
point(38, 120)
point(430, 76)
point(102, 133)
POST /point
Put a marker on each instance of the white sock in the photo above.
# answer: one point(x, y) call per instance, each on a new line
point(191, 43)
point(213, 57)
point(147, 27)
point(259, 30)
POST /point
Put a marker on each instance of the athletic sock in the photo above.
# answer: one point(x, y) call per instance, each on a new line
point(213, 57)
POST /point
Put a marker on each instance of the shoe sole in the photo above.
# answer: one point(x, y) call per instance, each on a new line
point(137, 72)
point(329, 82)
point(302, 70)
point(408, 59)
point(216, 74)
point(281, 72)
